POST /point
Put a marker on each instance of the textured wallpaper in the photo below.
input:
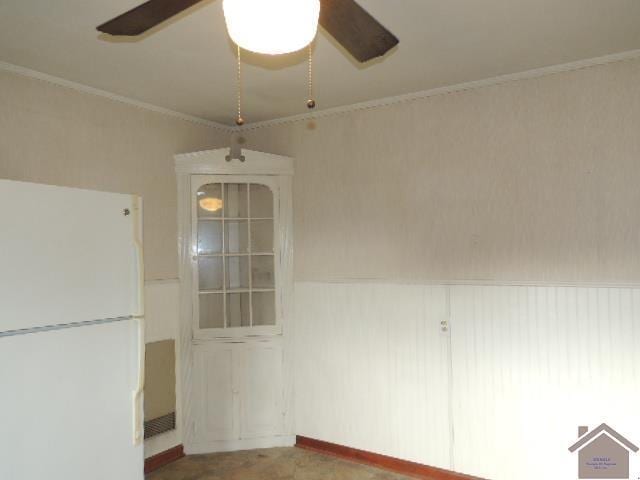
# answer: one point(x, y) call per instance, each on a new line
point(533, 180)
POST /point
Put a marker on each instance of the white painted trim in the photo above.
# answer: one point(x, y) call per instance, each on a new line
point(237, 445)
point(161, 281)
point(213, 162)
point(185, 332)
point(470, 283)
point(461, 87)
point(61, 82)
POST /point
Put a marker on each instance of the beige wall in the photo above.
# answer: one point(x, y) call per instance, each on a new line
point(51, 134)
point(535, 180)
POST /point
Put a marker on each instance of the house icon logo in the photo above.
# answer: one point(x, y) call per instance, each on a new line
point(603, 453)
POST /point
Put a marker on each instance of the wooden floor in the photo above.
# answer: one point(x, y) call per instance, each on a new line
point(269, 464)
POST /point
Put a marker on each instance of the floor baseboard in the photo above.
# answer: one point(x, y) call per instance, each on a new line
point(380, 461)
point(163, 458)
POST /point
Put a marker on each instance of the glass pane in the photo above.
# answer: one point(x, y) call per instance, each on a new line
point(262, 271)
point(209, 237)
point(238, 310)
point(211, 311)
point(261, 201)
point(237, 272)
point(264, 312)
point(236, 200)
point(210, 200)
point(236, 236)
point(210, 273)
point(262, 236)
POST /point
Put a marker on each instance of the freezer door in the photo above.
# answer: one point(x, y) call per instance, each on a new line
point(67, 255)
point(66, 404)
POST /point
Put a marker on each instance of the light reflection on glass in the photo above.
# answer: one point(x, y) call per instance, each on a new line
point(210, 204)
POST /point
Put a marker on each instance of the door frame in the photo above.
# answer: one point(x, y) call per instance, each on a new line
point(214, 162)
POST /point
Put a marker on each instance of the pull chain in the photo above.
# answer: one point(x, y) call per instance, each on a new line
point(239, 119)
point(311, 103)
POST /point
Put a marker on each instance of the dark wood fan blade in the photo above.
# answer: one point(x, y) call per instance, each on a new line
point(143, 17)
point(355, 29)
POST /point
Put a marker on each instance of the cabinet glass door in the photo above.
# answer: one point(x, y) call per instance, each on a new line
point(236, 255)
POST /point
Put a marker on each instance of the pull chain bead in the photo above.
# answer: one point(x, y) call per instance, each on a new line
point(239, 119)
point(311, 103)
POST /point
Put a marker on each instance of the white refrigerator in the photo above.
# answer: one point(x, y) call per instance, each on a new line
point(71, 334)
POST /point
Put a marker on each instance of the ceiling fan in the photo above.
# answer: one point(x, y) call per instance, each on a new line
point(346, 21)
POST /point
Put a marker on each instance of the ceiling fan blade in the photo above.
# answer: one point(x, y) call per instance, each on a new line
point(355, 29)
point(143, 17)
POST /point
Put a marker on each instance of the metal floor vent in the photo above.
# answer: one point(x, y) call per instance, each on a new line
point(160, 425)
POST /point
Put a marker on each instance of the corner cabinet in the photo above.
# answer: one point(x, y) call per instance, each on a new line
point(235, 241)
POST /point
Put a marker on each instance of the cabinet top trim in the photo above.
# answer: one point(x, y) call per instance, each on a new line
point(214, 162)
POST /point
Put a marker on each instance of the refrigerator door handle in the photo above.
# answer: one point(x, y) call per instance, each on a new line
point(138, 406)
point(136, 206)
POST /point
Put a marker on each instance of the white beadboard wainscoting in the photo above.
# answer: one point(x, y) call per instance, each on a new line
point(531, 364)
point(372, 368)
point(499, 395)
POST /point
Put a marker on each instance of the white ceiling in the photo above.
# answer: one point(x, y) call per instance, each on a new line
point(188, 64)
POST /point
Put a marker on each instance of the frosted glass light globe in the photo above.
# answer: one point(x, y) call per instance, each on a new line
point(272, 26)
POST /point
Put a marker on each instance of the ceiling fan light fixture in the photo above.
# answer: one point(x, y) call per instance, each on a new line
point(272, 27)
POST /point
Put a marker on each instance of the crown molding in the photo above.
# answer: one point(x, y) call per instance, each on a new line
point(461, 87)
point(27, 72)
point(341, 110)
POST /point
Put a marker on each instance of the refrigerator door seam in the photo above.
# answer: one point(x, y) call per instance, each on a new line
point(63, 326)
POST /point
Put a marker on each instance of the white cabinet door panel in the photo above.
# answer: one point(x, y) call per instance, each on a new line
point(238, 389)
point(261, 391)
point(215, 406)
